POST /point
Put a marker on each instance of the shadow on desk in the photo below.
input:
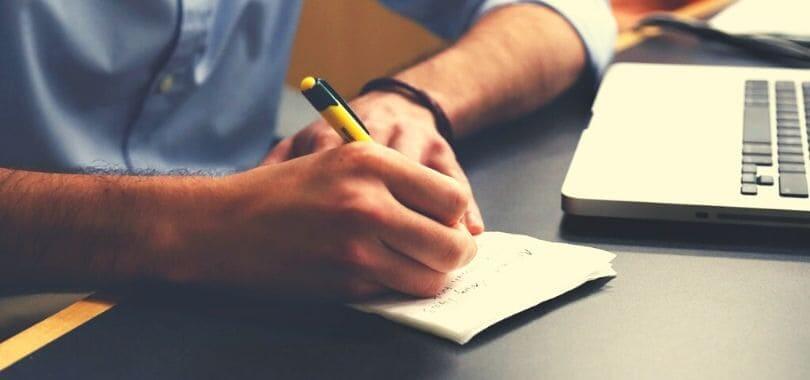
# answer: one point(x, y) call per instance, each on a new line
point(709, 239)
point(193, 334)
point(510, 325)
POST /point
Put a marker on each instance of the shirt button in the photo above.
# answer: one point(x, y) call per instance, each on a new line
point(166, 84)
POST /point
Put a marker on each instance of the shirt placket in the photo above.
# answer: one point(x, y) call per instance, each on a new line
point(173, 81)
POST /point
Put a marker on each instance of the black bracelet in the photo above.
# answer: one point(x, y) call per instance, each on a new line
point(417, 96)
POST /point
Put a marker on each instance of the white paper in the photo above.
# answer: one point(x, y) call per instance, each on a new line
point(765, 16)
point(510, 273)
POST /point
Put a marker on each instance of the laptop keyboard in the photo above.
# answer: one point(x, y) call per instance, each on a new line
point(757, 153)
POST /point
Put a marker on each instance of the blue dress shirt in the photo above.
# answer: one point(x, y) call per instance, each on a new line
point(177, 84)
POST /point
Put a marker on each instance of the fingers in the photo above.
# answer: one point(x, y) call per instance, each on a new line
point(426, 241)
point(419, 188)
point(398, 272)
point(316, 137)
point(447, 164)
point(280, 153)
point(323, 140)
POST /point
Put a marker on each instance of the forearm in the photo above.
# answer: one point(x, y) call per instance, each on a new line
point(88, 229)
point(510, 62)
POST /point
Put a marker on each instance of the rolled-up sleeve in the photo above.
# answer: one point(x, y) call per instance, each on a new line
point(592, 19)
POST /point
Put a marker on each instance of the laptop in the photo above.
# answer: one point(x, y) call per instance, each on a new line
point(695, 143)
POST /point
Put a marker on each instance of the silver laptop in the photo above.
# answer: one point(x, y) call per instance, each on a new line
point(695, 143)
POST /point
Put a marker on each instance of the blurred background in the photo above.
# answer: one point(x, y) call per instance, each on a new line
point(327, 42)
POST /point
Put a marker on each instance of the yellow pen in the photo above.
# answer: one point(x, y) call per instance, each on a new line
point(334, 109)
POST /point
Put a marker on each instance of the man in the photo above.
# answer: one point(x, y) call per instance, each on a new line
point(132, 137)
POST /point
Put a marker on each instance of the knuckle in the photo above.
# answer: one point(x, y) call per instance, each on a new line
point(471, 250)
point(439, 146)
point(457, 254)
point(364, 157)
point(458, 198)
point(355, 255)
point(453, 257)
point(356, 207)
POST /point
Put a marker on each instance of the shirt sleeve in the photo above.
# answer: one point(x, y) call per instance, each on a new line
point(592, 19)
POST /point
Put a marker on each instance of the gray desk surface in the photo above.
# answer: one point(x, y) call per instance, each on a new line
point(690, 301)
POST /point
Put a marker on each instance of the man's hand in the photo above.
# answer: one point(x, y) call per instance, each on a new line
point(351, 221)
point(396, 122)
point(348, 222)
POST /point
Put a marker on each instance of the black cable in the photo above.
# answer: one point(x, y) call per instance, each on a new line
point(789, 50)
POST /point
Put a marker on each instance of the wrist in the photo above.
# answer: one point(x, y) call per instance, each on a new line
point(186, 211)
point(383, 109)
point(418, 97)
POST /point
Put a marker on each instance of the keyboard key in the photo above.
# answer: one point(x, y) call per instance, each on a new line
point(791, 159)
point(786, 113)
point(758, 160)
point(757, 149)
point(793, 185)
point(784, 84)
point(756, 89)
point(756, 96)
point(788, 132)
point(765, 180)
point(791, 168)
point(749, 178)
point(787, 124)
point(749, 169)
point(789, 141)
point(789, 149)
point(757, 125)
point(748, 189)
point(757, 102)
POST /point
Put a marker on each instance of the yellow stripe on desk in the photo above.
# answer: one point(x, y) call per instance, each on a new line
point(37, 336)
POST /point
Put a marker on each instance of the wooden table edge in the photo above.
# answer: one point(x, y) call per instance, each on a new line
point(66, 320)
point(52, 328)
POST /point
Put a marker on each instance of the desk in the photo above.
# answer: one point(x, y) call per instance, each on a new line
point(691, 301)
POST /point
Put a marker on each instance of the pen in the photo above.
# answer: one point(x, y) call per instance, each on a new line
point(334, 109)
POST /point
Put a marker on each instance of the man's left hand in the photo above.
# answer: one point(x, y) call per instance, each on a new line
point(396, 122)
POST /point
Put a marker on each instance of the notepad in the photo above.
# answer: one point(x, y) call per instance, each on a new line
point(510, 273)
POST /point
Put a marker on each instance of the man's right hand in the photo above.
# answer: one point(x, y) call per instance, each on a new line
point(348, 222)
